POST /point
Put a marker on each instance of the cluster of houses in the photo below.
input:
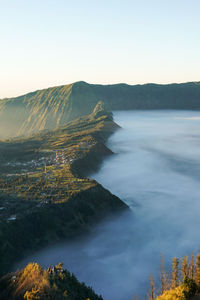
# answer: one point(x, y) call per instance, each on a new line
point(57, 158)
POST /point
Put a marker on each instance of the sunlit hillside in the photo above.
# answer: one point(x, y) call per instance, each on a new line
point(35, 283)
point(53, 107)
point(45, 194)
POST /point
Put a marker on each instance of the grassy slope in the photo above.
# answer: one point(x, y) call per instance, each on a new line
point(44, 109)
point(56, 202)
point(53, 107)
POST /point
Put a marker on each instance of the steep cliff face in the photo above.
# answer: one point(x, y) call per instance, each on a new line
point(53, 107)
point(45, 109)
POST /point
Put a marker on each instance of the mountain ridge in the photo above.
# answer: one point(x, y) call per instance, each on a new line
point(53, 107)
point(100, 84)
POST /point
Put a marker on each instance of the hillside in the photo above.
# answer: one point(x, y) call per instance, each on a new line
point(45, 195)
point(53, 107)
point(33, 282)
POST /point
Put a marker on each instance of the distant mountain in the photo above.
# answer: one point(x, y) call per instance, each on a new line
point(53, 107)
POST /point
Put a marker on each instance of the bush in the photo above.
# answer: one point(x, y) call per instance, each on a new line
point(189, 287)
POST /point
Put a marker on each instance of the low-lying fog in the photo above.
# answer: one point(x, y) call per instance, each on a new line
point(156, 171)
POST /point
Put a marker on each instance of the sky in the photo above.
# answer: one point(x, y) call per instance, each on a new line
point(53, 42)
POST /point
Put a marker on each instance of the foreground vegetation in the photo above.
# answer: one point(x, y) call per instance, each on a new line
point(35, 283)
point(181, 283)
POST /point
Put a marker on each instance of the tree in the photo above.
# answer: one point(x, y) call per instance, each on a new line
point(197, 275)
point(190, 287)
point(32, 295)
point(152, 288)
point(192, 267)
point(185, 267)
point(175, 272)
point(163, 276)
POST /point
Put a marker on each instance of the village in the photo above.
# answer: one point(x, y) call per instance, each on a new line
point(42, 181)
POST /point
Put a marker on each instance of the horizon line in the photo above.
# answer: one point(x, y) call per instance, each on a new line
point(103, 84)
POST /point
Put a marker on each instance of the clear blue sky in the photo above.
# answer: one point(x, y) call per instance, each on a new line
point(52, 42)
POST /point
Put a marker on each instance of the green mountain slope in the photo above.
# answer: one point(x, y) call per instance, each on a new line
point(44, 194)
point(45, 109)
point(53, 107)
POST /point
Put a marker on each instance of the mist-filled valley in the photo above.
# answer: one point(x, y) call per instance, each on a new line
point(155, 170)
